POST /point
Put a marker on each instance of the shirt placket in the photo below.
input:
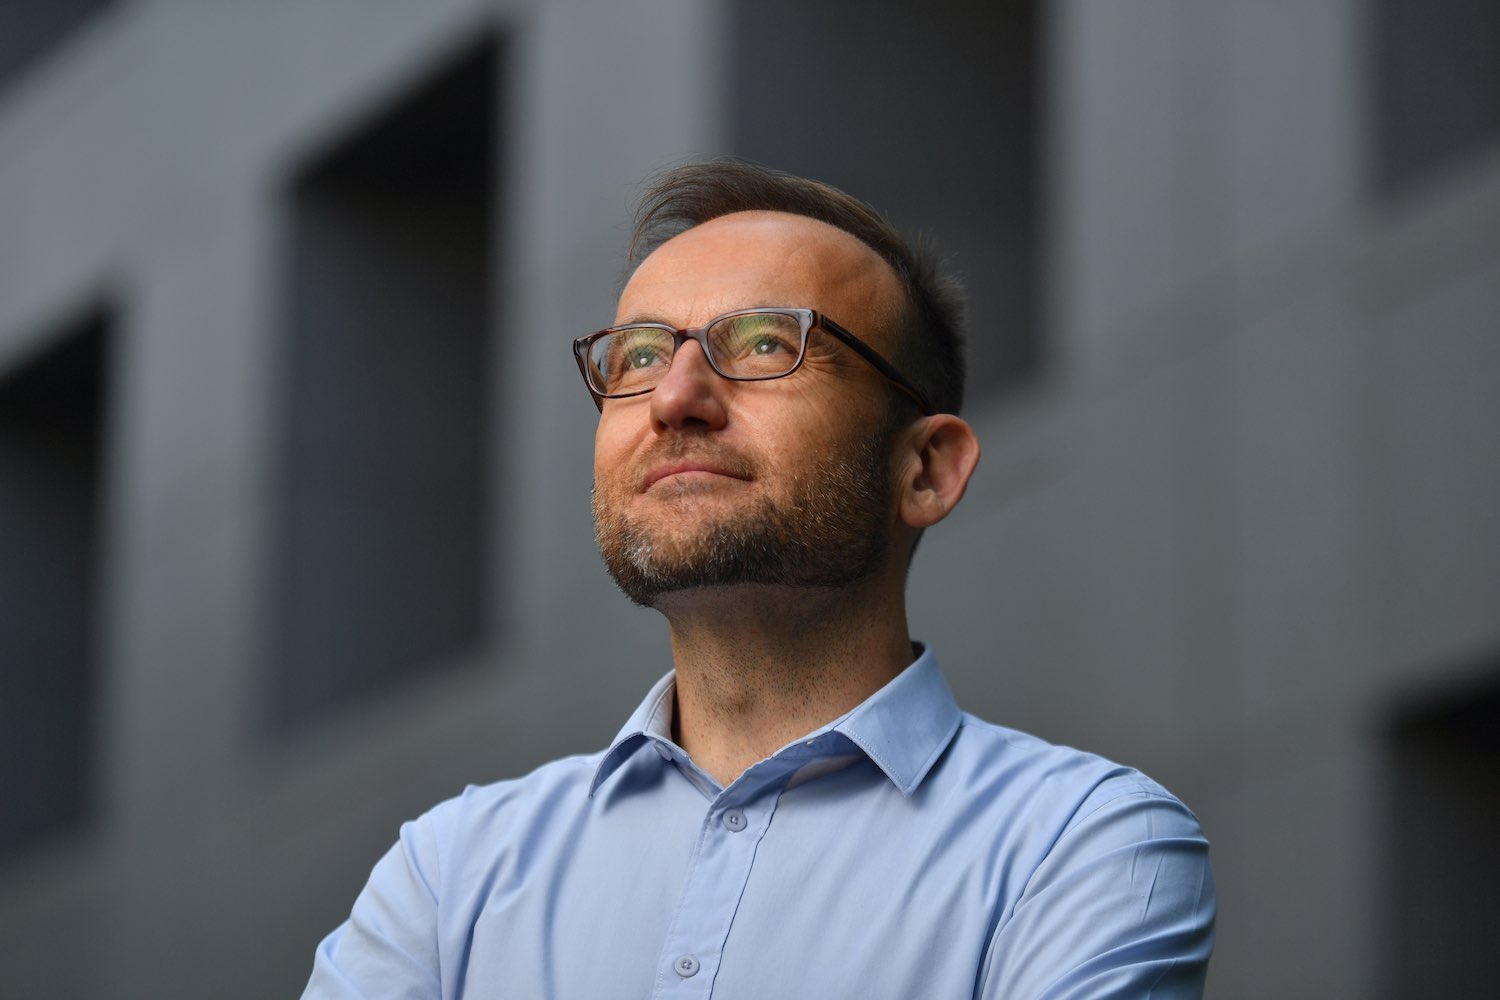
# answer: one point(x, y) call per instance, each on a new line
point(722, 860)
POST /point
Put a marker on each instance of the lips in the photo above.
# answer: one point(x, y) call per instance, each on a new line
point(677, 467)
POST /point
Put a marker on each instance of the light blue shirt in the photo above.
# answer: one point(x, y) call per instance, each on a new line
point(906, 850)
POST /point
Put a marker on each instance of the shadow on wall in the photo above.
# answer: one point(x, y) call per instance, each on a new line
point(1443, 811)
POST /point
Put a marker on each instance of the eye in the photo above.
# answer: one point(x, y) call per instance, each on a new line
point(765, 344)
point(756, 336)
point(631, 350)
point(630, 360)
point(641, 356)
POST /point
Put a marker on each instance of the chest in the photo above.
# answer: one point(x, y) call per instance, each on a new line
point(839, 890)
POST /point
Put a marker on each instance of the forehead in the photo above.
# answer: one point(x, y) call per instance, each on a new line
point(761, 259)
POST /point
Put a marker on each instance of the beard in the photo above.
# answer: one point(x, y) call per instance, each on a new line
point(830, 529)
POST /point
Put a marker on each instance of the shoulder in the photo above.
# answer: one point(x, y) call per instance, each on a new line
point(1042, 795)
point(486, 834)
point(481, 810)
point(1039, 768)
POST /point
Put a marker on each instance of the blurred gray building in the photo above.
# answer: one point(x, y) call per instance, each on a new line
point(294, 463)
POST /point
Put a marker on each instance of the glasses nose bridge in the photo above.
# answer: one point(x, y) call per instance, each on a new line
point(699, 334)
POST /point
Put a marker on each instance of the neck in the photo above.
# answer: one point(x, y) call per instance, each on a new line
point(760, 666)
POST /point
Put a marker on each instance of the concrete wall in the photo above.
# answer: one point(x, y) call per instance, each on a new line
point(1240, 521)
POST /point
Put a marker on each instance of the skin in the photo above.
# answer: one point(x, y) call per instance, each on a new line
point(759, 666)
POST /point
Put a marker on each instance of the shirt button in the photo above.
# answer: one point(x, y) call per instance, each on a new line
point(662, 751)
point(734, 820)
point(686, 966)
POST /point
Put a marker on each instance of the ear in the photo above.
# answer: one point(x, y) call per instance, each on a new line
point(941, 454)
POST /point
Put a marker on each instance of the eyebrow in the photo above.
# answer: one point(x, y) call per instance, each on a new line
point(658, 321)
point(637, 320)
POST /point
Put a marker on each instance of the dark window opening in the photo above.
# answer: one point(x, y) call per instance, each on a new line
point(1436, 88)
point(51, 469)
point(380, 549)
point(29, 29)
point(1443, 868)
point(929, 112)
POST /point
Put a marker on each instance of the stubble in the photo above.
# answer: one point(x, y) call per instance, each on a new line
point(829, 528)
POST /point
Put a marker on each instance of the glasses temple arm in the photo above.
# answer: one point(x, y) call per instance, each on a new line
point(880, 364)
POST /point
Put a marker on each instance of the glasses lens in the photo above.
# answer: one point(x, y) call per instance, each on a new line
point(756, 345)
point(629, 360)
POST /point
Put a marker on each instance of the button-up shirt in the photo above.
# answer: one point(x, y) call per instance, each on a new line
point(904, 850)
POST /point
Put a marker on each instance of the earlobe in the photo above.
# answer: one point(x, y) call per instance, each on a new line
point(944, 453)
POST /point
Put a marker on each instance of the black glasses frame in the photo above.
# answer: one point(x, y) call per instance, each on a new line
point(806, 318)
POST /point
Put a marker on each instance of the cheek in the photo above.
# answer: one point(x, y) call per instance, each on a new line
point(814, 427)
point(608, 453)
point(618, 440)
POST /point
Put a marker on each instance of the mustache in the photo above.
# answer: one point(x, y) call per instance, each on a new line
point(686, 449)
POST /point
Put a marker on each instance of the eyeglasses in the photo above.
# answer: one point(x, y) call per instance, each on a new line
point(748, 345)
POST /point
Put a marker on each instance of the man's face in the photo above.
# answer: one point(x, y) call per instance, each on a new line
point(709, 482)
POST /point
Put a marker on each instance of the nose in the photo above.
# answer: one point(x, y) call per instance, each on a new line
point(690, 395)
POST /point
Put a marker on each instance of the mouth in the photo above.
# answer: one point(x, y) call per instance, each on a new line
point(688, 471)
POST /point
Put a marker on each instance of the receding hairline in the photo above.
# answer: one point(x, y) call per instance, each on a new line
point(868, 262)
point(772, 217)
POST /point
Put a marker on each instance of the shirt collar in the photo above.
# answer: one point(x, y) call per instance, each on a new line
point(903, 728)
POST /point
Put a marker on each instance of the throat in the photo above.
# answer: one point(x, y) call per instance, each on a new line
point(759, 667)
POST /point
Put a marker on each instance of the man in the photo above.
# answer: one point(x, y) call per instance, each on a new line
point(799, 809)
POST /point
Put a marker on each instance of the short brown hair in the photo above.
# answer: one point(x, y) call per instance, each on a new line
point(930, 342)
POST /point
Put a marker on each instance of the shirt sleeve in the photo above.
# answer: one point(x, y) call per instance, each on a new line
point(1122, 906)
point(388, 946)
